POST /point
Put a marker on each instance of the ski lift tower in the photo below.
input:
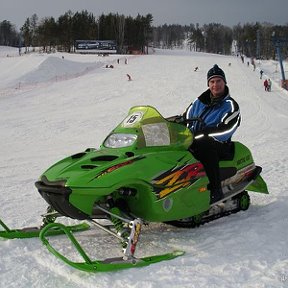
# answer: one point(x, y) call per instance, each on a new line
point(278, 44)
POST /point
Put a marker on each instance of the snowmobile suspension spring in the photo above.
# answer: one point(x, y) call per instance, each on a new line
point(117, 222)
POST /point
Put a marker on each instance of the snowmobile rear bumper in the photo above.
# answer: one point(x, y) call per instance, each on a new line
point(57, 196)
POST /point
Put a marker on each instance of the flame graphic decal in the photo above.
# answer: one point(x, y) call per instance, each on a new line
point(173, 180)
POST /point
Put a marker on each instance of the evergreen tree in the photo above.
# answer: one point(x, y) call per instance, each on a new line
point(8, 34)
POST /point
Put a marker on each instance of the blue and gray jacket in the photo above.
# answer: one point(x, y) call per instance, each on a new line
point(220, 118)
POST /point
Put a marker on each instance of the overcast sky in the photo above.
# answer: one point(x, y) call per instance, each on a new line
point(226, 12)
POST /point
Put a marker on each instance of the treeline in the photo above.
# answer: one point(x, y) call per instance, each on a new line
point(61, 33)
point(250, 39)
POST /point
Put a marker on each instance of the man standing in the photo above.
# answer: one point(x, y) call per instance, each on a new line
point(266, 85)
point(220, 116)
point(269, 84)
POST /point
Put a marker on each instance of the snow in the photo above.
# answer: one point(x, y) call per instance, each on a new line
point(55, 105)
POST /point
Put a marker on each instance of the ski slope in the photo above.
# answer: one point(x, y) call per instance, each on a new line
point(55, 105)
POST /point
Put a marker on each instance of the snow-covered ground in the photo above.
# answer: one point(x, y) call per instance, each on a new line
point(52, 106)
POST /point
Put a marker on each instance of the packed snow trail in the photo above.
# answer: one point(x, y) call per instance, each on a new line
point(47, 122)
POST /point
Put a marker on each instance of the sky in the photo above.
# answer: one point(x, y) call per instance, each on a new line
point(183, 12)
point(56, 105)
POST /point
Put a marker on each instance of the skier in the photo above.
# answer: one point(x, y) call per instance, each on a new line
point(266, 84)
point(269, 84)
point(261, 73)
point(220, 114)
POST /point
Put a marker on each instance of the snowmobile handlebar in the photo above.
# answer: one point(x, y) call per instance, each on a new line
point(181, 120)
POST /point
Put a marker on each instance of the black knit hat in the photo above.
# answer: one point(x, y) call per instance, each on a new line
point(215, 71)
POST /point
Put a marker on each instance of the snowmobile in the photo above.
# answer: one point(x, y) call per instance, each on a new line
point(143, 172)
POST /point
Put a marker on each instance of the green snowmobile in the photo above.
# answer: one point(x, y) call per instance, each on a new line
point(143, 172)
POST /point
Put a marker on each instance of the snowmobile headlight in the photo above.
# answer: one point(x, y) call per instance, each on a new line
point(119, 140)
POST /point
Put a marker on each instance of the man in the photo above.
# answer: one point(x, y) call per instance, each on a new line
point(220, 116)
point(269, 85)
point(266, 85)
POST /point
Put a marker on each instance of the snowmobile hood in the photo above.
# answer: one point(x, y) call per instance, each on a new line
point(80, 170)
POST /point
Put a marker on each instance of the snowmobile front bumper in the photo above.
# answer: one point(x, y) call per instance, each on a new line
point(56, 194)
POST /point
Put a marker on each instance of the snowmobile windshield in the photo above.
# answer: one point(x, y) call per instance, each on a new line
point(146, 127)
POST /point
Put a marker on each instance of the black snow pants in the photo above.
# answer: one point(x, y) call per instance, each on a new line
point(209, 152)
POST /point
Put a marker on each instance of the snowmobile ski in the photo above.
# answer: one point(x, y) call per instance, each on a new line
point(30, 232)
point(110, 264)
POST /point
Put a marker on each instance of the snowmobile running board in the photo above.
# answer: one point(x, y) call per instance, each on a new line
point(30, 232)
point(233, 190)
point(110, 264)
